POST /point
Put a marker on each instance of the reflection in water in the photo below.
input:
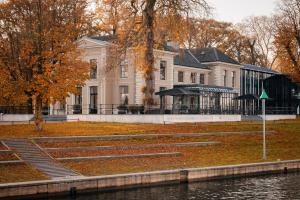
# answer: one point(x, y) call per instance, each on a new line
point(265, 187)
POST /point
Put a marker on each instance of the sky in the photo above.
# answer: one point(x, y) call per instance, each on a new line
point(236, 10)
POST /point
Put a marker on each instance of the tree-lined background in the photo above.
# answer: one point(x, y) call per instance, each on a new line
point(40, 62)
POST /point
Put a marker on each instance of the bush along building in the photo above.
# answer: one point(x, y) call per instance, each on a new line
point(186, 81)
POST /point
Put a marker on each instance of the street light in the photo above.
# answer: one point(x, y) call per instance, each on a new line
point(264, 97)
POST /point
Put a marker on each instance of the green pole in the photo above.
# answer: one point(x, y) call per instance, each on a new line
point(263, 97)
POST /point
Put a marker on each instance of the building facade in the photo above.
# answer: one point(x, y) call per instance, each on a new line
point(185, 81)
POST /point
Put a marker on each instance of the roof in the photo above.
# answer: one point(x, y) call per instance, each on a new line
point(186, 58)
point(208, 88)
point(180, 90)
point(259, 69)
point(247, 97)
point(205, 55)
point(175, 92)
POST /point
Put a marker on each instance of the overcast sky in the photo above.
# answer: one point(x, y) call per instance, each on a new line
point(236, 10)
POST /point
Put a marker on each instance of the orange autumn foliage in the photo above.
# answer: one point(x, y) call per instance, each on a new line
point(39, 57)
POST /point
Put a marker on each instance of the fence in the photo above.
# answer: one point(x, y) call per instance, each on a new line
point(115, 109)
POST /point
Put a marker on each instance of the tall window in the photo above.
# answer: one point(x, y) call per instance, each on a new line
point(233, 79)
point(124, 95)
point(225, 78)
point(78, 96)
point(202, 79)
point(124, 69)
point(180, 76)
point(193, 77)
point(163, 66)
point(93, 68)
point(78, 101)
point(93, 99)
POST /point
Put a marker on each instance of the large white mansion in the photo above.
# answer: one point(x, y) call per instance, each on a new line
point(197, 78)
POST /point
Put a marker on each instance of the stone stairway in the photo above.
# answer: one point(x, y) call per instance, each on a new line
point(32, 154)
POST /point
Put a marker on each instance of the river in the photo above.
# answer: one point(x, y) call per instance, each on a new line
point(261, 187)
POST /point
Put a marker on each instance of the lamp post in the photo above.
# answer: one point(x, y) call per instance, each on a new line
point(264, 97)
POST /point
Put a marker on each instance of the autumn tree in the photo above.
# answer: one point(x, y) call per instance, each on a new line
point(38, 52)
point(287, 38)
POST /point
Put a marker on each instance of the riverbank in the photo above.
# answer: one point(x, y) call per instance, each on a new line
point(75, 185)
point(241, 144)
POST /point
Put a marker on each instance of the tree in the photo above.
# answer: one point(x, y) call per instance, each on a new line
point(38, 52)
point(150, 8)
point(208, 33)
point(287, 38)
point(261, 30)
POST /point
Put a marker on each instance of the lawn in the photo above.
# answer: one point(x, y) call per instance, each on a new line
point(94, 128)
point(283, 144)
point(19, 173)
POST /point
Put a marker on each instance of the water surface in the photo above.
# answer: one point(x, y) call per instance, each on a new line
point(262, 187)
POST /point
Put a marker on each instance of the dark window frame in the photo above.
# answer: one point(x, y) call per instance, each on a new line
point(180, 76)
point(162, 69)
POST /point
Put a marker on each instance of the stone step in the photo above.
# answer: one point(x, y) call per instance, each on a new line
point(32, 154)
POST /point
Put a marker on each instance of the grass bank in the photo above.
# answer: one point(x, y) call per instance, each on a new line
point(284, 144)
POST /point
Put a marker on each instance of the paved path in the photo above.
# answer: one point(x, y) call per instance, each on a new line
point(32, 154)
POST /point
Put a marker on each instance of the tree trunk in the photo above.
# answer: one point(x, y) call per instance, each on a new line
point(38, 113)
point(148, 17)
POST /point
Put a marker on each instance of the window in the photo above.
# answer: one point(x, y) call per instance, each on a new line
point(93, 99)
point(202, 79)
point(193, 77)
point(78, 96)
point(77, 108)
point(225, 78)
point(233, 79)
point(180, 76)
point(124, 69)
point(93, 68)
point(124, 95)
point(163, 66)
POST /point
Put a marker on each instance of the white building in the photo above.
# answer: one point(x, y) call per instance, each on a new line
point(207, 71)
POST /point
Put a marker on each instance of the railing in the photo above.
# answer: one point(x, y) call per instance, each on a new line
point(16, 109)
point(116, 109)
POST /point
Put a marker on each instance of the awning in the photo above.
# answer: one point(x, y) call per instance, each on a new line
point(247, 97)
point(195, 90)
point(176, 92)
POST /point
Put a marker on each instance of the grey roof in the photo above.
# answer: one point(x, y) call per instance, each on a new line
point(186, 58)
point(208, 88)
point(194, 90)
point(259, 69)
point(205, 55)
point(247, 97)
point(175, 92)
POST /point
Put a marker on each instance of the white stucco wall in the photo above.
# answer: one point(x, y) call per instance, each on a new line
point(15, 118)
point(155, 119)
